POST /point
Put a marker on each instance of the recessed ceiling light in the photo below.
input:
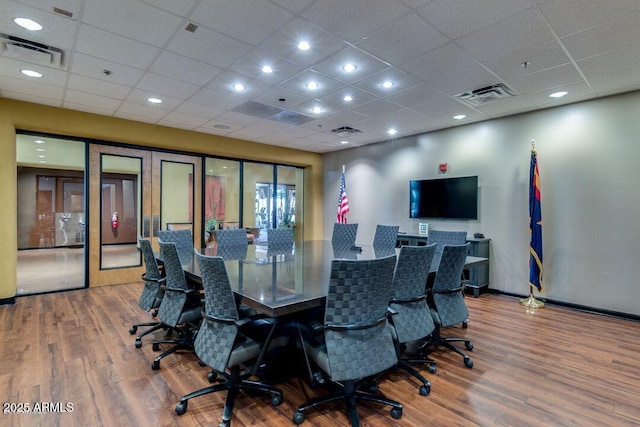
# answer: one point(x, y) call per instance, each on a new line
point(223, 127)
point(40, 149)
point(155, 100)
point(459, 117)
point(312, 85)
point(558, 94)
point(392, 131)
point(42, 156)
point(349, 67)
point(31, 73)
point(348, 98)
point(316, 110)
point(387, 84)
point(39, 141)
point(43, 161)
point(239, 87)
point(27, 23)
point(344, 142)
point(267, 69)
point(304, 45)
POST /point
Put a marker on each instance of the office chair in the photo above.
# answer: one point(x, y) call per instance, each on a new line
point(152, 293)
point(225, 342)
point(412, 320)
point(355, 342)
point(448, 306)
point(442, 238)
point(386, 237)
point(180, 307)
point(232, 238)
point(344, 235)
point(183, 240)
point(280, 238)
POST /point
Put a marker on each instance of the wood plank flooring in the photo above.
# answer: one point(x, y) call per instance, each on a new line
point(552, 367)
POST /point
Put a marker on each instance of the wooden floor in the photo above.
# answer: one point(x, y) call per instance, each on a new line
point(554, 367)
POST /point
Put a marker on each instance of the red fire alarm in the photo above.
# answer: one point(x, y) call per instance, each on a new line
point(442, 167)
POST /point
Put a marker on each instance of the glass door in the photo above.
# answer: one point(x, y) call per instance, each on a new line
point(135, 193)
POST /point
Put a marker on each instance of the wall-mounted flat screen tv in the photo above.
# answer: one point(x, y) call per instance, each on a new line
point(444, 198)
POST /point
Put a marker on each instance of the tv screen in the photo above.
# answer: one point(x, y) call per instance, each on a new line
point(446, 198)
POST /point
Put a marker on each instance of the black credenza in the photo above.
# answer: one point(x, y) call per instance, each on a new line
point(477, 276)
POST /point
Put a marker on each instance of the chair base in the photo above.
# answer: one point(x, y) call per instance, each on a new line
point(153, 326)
point(186, 336)
point(234, 381)
point(351, 396)
point(437, 340)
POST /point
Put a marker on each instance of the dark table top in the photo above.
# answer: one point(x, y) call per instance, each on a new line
point(290, 281)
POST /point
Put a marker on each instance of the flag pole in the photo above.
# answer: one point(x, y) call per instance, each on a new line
point(531, 301)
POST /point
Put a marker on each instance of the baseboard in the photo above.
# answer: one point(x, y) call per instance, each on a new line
point(572, 306)
point(8, 301)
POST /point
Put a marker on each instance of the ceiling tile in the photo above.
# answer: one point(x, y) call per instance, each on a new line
point(546, 79)
point(183, 119)
point(115, 48)
point(95, 68)
point(376, 108)
point(24, 96)
point(224, 82)
point(248, 20)
point(444, 60)
point(600, 65)
point(295, 6)
point(401, 81)
point(161, 85)
point(273, 96)
point(87, 108)
point(366, 65)
point(251, 65)
point(181, 8)
point(462, 17)
point(284, 43)
point(216, 99)
point(463, 80)
point(57, 31)
point(29, 86)
point(98, 87)
point(569, 16)
point(50, 76)
point(519, 31)
point(91, 100)
point(185, 69)
point(199, 110)
point(139, 96)
point(354, 19)
point(336, 99)
point(403, 39)
point(135, 20)
point(298, 84)
point(416, 96)
point(208, 46)
point(147, 111)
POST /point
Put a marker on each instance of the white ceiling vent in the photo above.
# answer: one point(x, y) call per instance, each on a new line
point(483, 95)
point(32, 52)
point(345, 131)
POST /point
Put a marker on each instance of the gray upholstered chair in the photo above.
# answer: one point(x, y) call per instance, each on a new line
point(386, 237)
point(355, 342)
point(280, 238)
point(412, 320)
point(224, 342)
point(152, 293)
point(442, 238)
point(232, 238)
point(183, 240)
point(344, 236)
point(180, 307)
point(448, 306)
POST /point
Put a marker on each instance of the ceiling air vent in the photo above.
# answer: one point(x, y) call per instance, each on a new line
point(32, 52)
point(483, 95)
point(345, 131)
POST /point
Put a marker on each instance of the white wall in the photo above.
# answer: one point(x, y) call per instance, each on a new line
point(588, 157)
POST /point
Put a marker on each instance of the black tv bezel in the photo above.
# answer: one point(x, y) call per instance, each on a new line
point(447, 179)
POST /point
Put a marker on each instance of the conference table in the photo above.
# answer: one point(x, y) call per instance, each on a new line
point(282, 282)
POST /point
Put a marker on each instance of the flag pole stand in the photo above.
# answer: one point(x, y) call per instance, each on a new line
point(531, 301)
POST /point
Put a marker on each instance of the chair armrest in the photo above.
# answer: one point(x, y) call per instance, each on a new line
point(356, 326)
point(391, 311)
point(227, 320)
point(187, 292)
point(406, 300)
point(154, 279)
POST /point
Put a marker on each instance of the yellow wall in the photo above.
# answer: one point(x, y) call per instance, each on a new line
point(39, 118)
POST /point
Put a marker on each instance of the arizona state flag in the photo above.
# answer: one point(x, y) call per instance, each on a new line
point(535, 224)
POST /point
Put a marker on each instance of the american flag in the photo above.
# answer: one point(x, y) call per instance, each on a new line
point(535, 224)
point(343, 202)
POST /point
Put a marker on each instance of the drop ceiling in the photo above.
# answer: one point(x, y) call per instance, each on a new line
point(116, 54)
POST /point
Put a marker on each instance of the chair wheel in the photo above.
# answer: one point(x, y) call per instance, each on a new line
point(133, 330)
point(211, 377)
point(181, 407)
point(138, 343)
point(465, 324)
point(298, 417)
point(432, 369)
point(468, 345)
point(276, 400)
point(396, 413)
point(155, 346)
point(201, 363)
point(155, 365)
point(468, 363)
point(424, 390)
